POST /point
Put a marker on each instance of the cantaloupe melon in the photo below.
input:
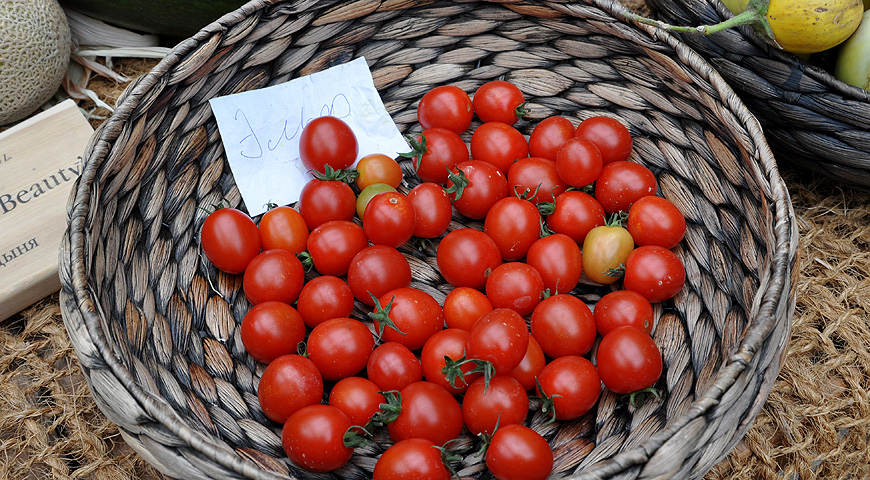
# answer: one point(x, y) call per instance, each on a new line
point(34, 54)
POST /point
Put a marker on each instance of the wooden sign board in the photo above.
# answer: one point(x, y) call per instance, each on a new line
point(40, 159)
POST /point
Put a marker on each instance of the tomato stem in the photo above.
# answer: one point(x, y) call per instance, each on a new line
point(418, 149)
point(548, 404)
point(381, 314)
point(389, 410)
point(330, 174)
point(357, 436)
point(636, 399)
point(522, 110)
point(459, 180)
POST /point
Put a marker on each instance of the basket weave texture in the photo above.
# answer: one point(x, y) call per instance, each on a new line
point(156, 328)
point(809, 117)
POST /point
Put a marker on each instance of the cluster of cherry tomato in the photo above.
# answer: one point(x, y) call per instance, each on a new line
point(563, 203)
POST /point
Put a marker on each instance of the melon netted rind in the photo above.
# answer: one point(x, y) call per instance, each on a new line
point(34, 55)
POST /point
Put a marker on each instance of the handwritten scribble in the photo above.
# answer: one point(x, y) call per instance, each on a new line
point(252, 134)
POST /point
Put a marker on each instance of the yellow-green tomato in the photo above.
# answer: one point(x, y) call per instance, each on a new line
point(604, 251)
point(853, 61)
point(362, 200)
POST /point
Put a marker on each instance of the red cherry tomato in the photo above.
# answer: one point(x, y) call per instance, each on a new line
point(415, 316)
point(502, 402)
point(578, 162)
point(428, 411)
point(334, 244)
point(389, 219)
point(323, 298)
point(464, 306)
point(531, 365)
point(623, 183)
point(274, 275)
point(499, 101)
point(313, 438)
point(499, 144)
point(433, 209)
point(272, 329)
point(563, 325)
point(289, 383)
point(378, 168)
point(609, 135)
point(628, 360)
point(447, 343)
point(515, 285)
point(284, 228)
point(392, 366)
point(623, 307)
point(549, 135)
point(411, 459)
point(329, 141)
point(514, 224)
point(605, 250)
point(654, 272)
point(501, 337)
point(359, 398)
point(516, 452)
point(436, 151)
point(656, 221)
point(340, 347)
point(572, 383)
point(575, 214)
point(230, 239)
point(376, 270)
point(445, 106)
point(466, 257)
point(536, 178)
point(475, 186)
point(366, 195)
point(321, 201)
point(558, 259)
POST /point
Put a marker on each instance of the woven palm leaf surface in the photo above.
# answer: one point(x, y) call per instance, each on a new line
point(156, 328)
point(809, 117)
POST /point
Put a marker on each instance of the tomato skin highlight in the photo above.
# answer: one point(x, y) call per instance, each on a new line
point(609, 135)
point(498, 144)
point(392, 366)
point(340, 347)
point(445, 106)
point(628, 360)
point(530, 366)
point(334, 245)
point(429, 412)
point(623, 307)
point(359, 398)
point(378, 168)
point(376, 270)
point(416, 315)
point(327, 140)
point(321, 201)
point(323, 298)
point(313, 438)
point(466, 257)
point(563, 325)
point(574, 384)
point(501, 337)
point(284, 228)
point(433, 208)
point(503, 402)
point(575, 214)
point(273, 275)
point(559, 260)
point(517, 452)
point(444, 150)
point(411, 459)
point(515, 285)
point(579, 162)
point(272, 329)
point(656, 221)
point(289, 383)
point(464, 306)
point(654, 272)
point(549, 135)
point(486, 185)
point(498, 101)
point(622, 183)
point(514, 224)
point(230, 239)
point(389, 219)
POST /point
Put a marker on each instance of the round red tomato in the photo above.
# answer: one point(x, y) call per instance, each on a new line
point(389, 219)
point(323, 298)
point(464, 306)
point(654, 272)
point(435, 152)
point(499, 101)
point(499, 144)
point(623, 183)
point(272, 329)
point(230, 239)
point(411, 459)
point(359, 398)
point(536, 178)
point(284, 228)
point(433, 208)
point(605, 250)
point(516, 452)
point(558, 259)
point(503, 401)
point(376, 270)
point(549, 135)
point(628, 360)
point(340, 347)
point(428, 411)
point(321, 201)
point(274, 275)
point(378, 168)
point(414, 316)
point(445, 106)
point(656, 221)
point(563, 325)
point(514, 224)
point(466, 257)
point(501, 338)
point(573, 385)
point(578, 162)
point(447, 343)
point(575, 214)
point(531, 365)
point(313, 438)
point(623, 307)
point(392, 366)
point(365, 196)
point(333, 245)
point(515, 285)
point(475, 186)
point(329, 141)
point(289, 383)
point(609, 135)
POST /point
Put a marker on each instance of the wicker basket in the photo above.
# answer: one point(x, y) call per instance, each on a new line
point(156, 328)
point(810, 118)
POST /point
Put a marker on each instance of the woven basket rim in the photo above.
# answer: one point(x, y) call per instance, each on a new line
point(758, 327)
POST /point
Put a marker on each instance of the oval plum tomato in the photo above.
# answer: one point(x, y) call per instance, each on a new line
point(558, 259)
point(435, 152)
point(230, 239)
point(323, 298)
point(501, 337)
point(340, 347)
point(313, 438)
point(656, 221)
point(499, 144)
point(272, 329)
point(549, 135)
point(273, 275)
point(411, 459)
point(284, 228)
point(623, 307)
point(329, 141)
point(376, 270)
point(333, 245)
point(572, 384)
point(623, 183)
point(428, 411)
point(466, 256)
point(628, 360)
point(499, 101)
point(475, 186)
point(378, 168)
point(531, 365)
point(464, 306)
point(359, 398)
point(433, 208)
point(450, 343)
point(289, 383)
point(516, 452)
point(609, 135)
point(321, 201)
point(408, 316)
point(536, 179)
point(392, 366)
point(575, 214)
point(563, 325)
point(605, 250)
point(578, 162)
point(515, 285)
point(503, 401)
point(514, 224)
point(445, 106)
point(366, 195)
point(390, 219)
point(654, 272)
